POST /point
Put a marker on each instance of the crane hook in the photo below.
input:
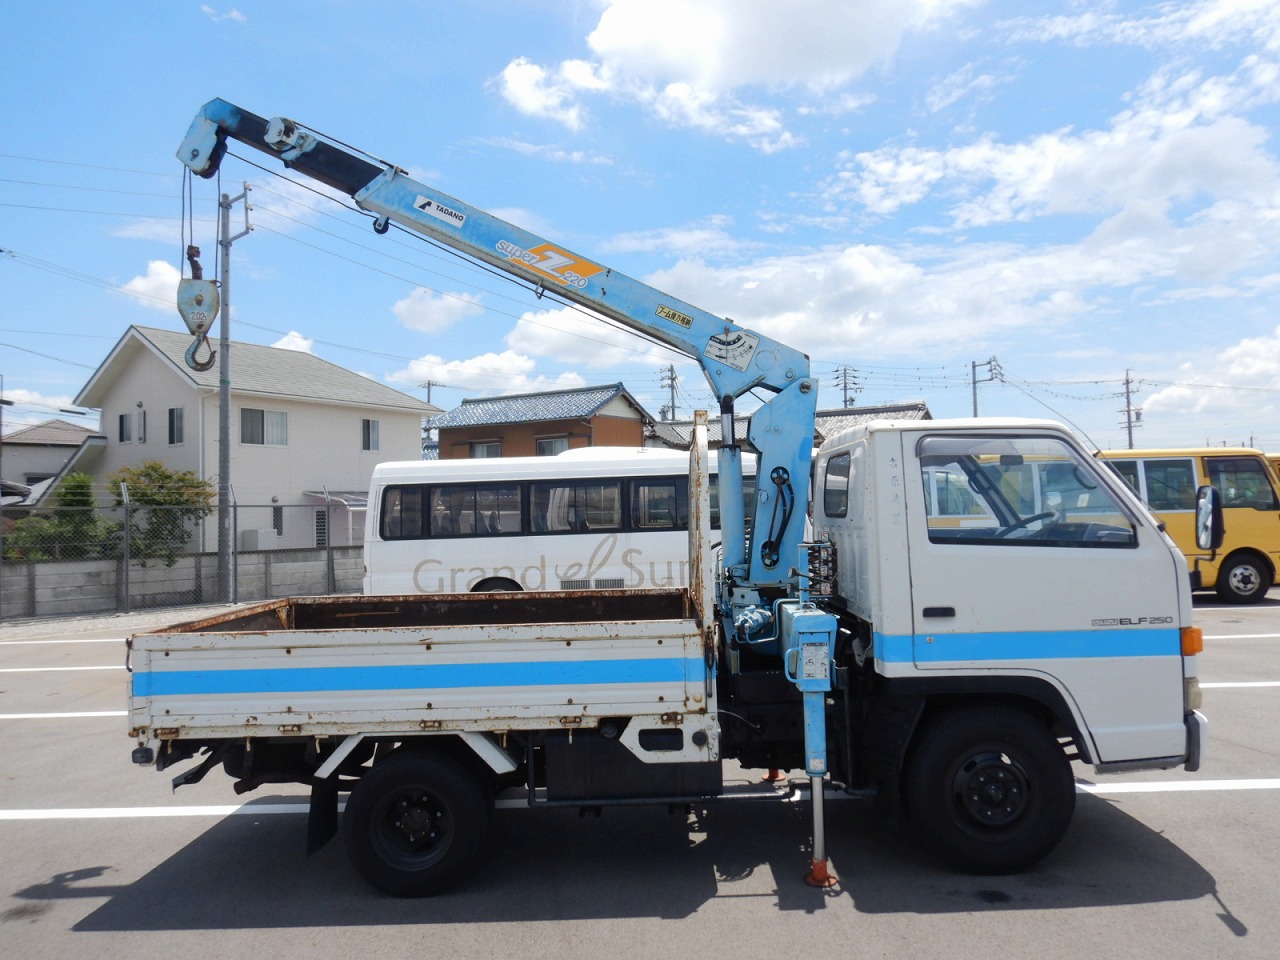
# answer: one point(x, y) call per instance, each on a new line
point(193, 362)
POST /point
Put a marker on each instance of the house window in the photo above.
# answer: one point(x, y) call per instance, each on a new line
point(486, 448)
point(264, 427)
point(125, 434)
point(277, 520)
point(322, 528)
point(368, 434)
point(175, 426)
point(142, 426)
point(550, 446)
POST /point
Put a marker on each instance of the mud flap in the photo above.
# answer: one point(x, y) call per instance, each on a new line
point(322, 817)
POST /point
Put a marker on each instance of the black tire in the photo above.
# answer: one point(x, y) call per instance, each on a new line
point(497, 585)
point(416, 823)
point(1243, 579)
point(989, 790)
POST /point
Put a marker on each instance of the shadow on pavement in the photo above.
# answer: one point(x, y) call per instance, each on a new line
point(250, 872)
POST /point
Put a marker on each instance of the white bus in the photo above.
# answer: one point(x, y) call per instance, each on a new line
point(597, 518)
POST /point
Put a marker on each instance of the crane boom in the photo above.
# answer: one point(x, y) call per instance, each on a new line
point(734, 360)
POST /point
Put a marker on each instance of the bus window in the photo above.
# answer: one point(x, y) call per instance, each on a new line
point(594, 519)
point(1242, 482)
point(660, 504)
point(1128, 470)
point(559, 506)
point(498, 509)
point(453, 511)
point(1171, 484)
point(402, 513)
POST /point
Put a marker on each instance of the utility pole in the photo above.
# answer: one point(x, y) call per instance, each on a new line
point(1132, 414)
point(993, 373)
point(669, 380)
point(3, 403)
point(226, 584)
point(847, 380)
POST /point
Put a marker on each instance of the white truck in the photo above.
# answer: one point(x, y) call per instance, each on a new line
point(944, 648)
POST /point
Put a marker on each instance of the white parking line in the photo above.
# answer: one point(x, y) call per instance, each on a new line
point(267, 809)
point(1244, 636)
point(114, 666)
point(43, 643)
point(1178, 786)
point(64, 716)
point(1243, 683)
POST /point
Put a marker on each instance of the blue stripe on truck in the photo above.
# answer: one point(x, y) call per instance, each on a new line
point(1028, 645)
point(417, 677)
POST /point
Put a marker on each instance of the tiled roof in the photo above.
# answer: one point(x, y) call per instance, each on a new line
point(264, 371)
point(831, 422)
point(51, 433)
point(534, 407)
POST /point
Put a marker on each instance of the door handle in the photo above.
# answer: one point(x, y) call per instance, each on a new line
point(939, 612)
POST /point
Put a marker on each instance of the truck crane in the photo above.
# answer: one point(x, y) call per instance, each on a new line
point(917, 678)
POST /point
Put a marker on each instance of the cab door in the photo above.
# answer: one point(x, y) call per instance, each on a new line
point(1026, 561)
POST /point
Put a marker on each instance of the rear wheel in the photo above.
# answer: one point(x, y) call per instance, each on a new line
point(415, 823)
point(1243, 579)
point(497, 585)
point(989, 790)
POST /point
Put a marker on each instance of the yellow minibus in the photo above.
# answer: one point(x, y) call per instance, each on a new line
point(1244, 567)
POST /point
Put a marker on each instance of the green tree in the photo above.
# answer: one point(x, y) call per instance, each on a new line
point(72, 531)
point(165, 505)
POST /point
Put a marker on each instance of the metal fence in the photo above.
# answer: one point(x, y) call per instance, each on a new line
point(71, 561)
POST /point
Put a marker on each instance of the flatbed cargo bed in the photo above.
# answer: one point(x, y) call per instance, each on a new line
point(331, 666)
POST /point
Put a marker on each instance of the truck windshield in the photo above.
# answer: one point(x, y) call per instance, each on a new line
point(1017, 490)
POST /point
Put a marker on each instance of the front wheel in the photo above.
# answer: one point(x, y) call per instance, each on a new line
point(989, 790)
point(1243, 579)
point(415, 824)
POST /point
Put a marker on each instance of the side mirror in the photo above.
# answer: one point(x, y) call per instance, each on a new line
point(1210, 529)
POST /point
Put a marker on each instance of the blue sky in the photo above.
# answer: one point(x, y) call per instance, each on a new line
point(900, 188)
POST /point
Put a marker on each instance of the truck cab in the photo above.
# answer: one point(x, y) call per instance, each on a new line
point(1000, 552)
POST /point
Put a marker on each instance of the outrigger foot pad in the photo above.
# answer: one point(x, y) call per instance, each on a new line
point(820, 876)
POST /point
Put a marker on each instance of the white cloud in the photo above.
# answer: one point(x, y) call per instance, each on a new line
point(537, 92)
point(431, 312)
point(837, 104)
point(687, 60)
point(725, 45)
point(163, 231)
point(1237, 383)
point(1212, 22)
point(285, 205)
point(485, 375)
point(571, 338)
point(157, 288)
point(216, 17)
point(708, 238)
point(293, 340)
point(962, 83)
point(1179, 143)
point(554, 154)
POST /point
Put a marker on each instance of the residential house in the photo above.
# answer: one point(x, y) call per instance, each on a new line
point(305, 433)
point(542, 424)
point(36, 453)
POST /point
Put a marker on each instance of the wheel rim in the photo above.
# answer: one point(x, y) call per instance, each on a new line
point(1244, 579)
point(991, 789)
point(411, 828)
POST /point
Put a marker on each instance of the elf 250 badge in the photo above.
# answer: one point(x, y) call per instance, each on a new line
point(1132, 621)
